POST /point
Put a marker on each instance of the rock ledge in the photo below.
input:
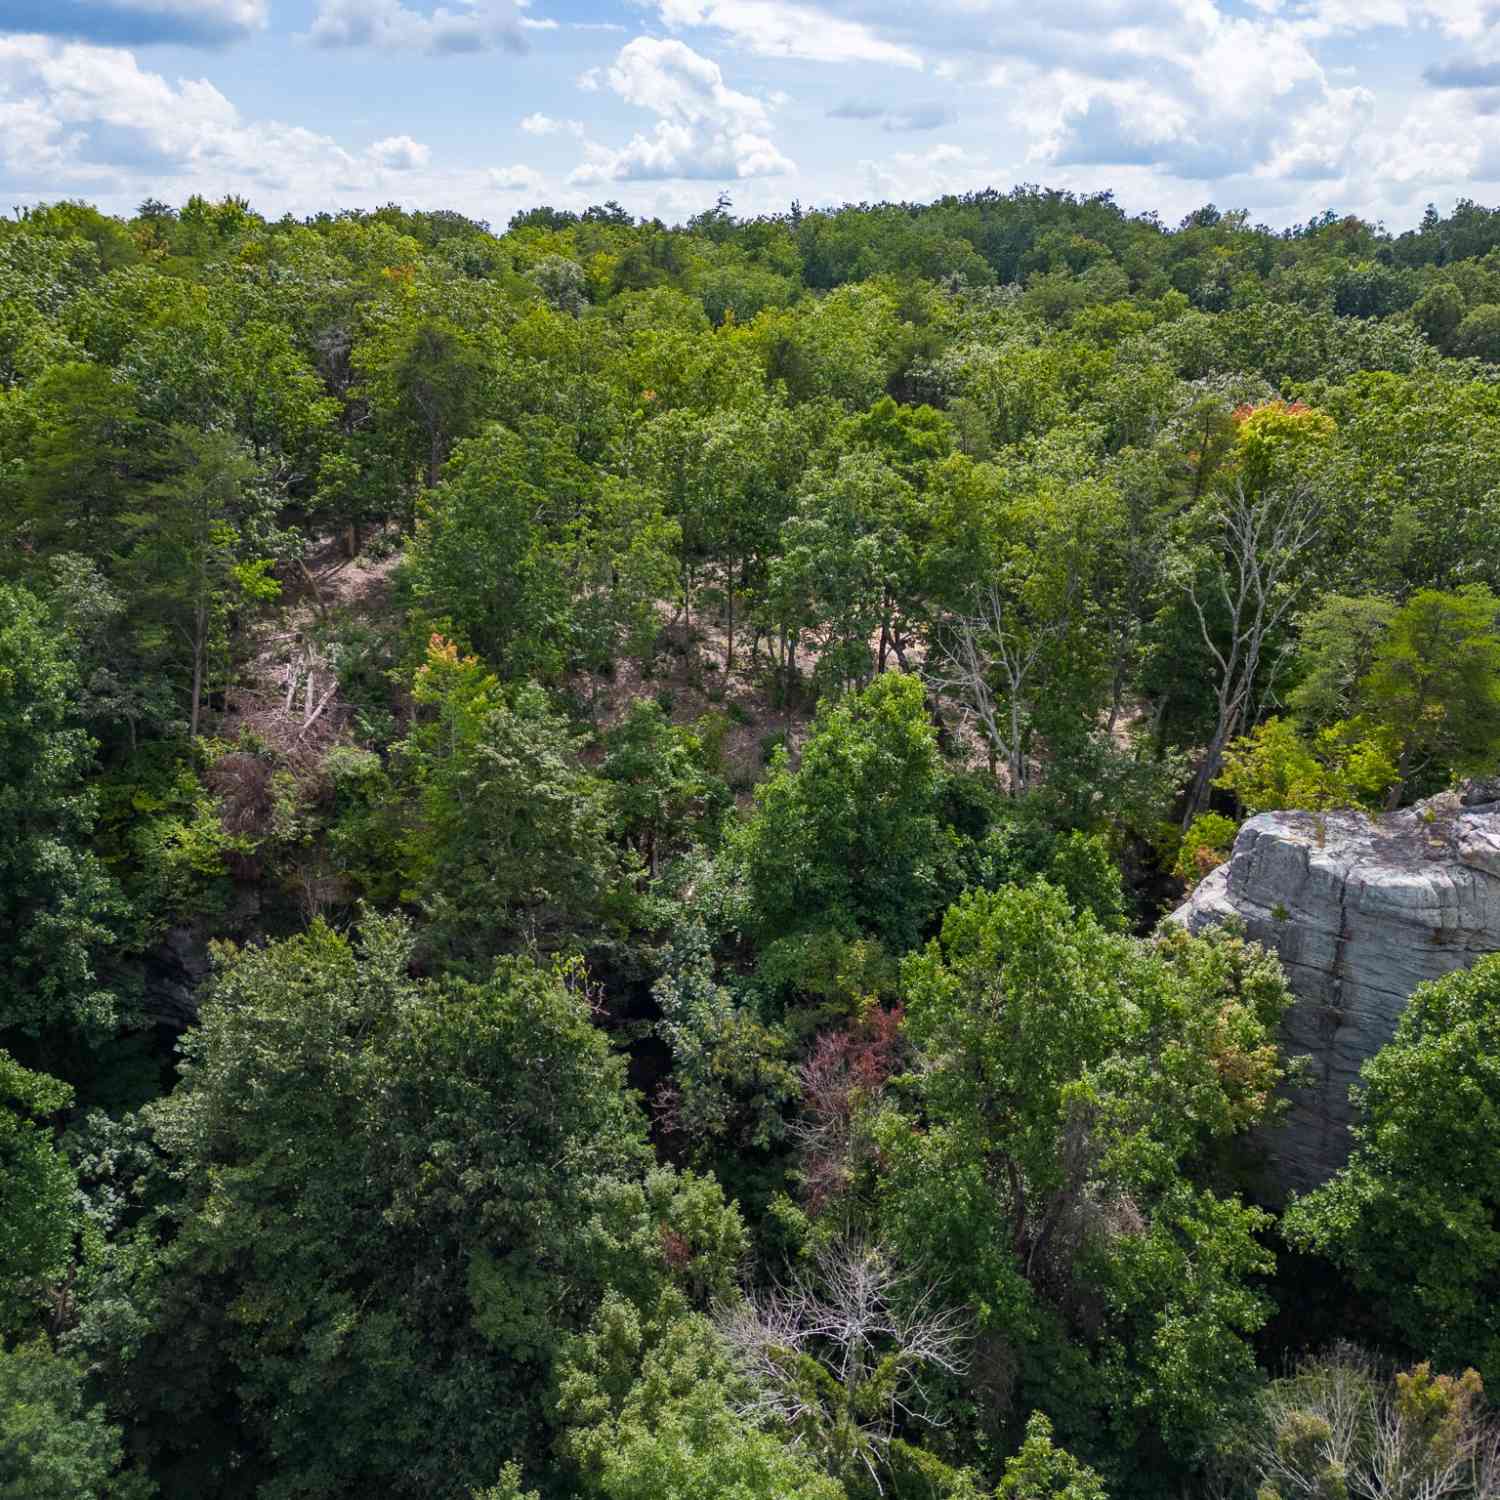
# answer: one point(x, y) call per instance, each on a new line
point(1361, 910)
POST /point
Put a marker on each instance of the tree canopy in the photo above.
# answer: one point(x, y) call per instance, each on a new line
point(584, 814)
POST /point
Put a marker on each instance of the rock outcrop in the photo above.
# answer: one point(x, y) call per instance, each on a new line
point(1361, 910)
point(168, 979)
point(172, 974)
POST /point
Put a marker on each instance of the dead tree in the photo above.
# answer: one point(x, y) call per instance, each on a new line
point(1339, 1419)
point(987, 662)
point(837, 1358)
point(1257, 573)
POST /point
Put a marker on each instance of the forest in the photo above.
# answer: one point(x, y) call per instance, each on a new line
point(585, 814)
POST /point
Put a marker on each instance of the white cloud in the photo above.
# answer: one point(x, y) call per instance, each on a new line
point(670, 79)
point(516, 179)
point(706, 129)
point(1460, 20)
point(91, 122)
point(1179, 100)
point(540, 124)
point(1441, 149)
point(136, 22)
point(476, 26)
point(910, 176)
point(1285, 106)
point(774, 28)
point(1323, 142)
point(534, 23)
point(400, 153)
point(1175, 101)
point(1186, 90)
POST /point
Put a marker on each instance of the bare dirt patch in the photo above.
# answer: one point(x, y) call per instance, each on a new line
point(287, 694)
point(687, 677)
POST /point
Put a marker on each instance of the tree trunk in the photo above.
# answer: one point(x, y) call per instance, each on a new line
point(1116, 694)
point(898, 645)
point(197, 687)
point(729, 607)
point(1201, 789)
point(1403, 772)
point(1213, 758)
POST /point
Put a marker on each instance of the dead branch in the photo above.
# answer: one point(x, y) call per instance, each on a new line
point(874, 1329)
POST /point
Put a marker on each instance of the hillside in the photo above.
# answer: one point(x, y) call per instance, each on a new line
point(583, 818)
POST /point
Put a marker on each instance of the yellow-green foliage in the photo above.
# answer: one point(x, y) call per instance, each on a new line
point(1205, 846)
point(1278, 767)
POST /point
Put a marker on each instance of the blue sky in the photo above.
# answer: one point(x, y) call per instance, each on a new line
point(1285, 107)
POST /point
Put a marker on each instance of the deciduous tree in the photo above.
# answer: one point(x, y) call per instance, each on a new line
point(1412, 1215)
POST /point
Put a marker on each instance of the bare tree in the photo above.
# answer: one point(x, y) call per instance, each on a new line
point(838, 1358)
point(987, 663)
point(1339, 1426)
point(1256, 576)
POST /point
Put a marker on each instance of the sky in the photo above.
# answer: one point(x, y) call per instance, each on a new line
point(1282, 107)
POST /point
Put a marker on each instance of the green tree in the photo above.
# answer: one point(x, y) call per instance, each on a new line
point(1434, 688)
point(510, 842)
point(619, 559)
point(198, 550)
point(59, 907)
point(427, 374)
point(562, 284)
point(846, 566)
point(88, 452)
point(38, 1215)
point(1339, 1425)
point(1339, 637)
point(486, 556)
point(1066, 1078)
point(1478, 336)
point(665, 790)
point(394, 1200)
point(846, 345)
point(729, 478)
point(1206, 844)
point(535, 559)
point(1277, 767)
point(1040, 1470)
point(909, 438)
point(652, 1406)
point(1009, 571)
point(1414, 497)
point(1412, 1215)
point(118, 680)
point(851, 840)
point(1439, 312)
point(733, 1080)
point(54, 1445)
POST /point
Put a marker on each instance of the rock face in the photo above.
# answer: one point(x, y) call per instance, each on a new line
point(1361, 910)
point(171, 974)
